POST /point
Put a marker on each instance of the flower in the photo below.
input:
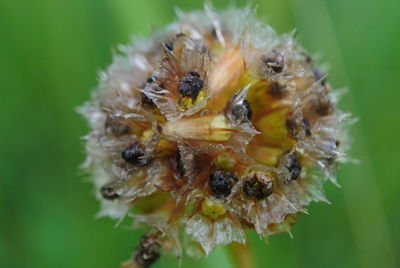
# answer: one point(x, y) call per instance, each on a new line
point(211, 126)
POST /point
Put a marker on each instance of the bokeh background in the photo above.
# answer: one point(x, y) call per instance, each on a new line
point(50, 54)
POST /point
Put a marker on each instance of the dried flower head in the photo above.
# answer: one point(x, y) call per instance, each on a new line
point(213, 125)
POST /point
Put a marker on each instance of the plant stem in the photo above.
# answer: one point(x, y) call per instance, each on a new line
point(241, 255)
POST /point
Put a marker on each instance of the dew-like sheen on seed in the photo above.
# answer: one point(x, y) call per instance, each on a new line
point(221, 183)
point(134, 154)
point(242, 111)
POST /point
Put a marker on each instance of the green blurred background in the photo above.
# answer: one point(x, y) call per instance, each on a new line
point(50, 54)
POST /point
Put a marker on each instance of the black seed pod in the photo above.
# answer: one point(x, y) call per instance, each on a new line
point(148, 251)
point(274, 61)
point(190, 85)
point(298, 126)
point(242, 111)
point(134, 154)
point(258, 187)
point(291, 162)
point(221, 183)
point(116, 126)
point(109, 191)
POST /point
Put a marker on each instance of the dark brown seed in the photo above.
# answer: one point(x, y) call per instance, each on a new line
point(134, 154)
point(190, 85)
point(258, 187)
point(148, 251)
point(109, 192)
point(116, 126)
point(274, 61)
point(298, 126)
point(146, 101)
point(292, 164)
point(169, 46)
point(241, 112)
point(221, 183)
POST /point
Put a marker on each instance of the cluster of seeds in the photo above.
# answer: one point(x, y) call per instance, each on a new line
point(214, 125)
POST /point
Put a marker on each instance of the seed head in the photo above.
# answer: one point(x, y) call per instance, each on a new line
point(213, 125)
